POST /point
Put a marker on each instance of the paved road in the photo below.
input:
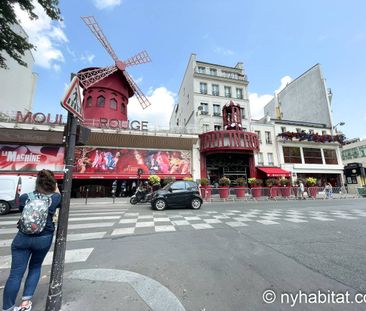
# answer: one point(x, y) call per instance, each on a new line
point(222, 257)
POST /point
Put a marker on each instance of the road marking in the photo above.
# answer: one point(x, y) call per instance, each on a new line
point(94, 218)
point(267, 222)
point(128, 221)
point(164, 228)
point(296, 220)
point(236, 224)
point(145, 224)
point(155, 295)
point(92, 225)
point(123, 231)
point(74, 255)
point(201, 226)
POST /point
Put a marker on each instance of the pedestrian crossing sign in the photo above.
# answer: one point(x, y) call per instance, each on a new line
point(72, 99)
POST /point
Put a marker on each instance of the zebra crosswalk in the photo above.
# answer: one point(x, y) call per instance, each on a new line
point(95, 223)
point(85, 224)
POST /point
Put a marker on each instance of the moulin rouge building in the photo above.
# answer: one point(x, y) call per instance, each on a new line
point(211, 135)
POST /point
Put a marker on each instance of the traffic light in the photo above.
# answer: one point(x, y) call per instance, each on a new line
point(82, 135)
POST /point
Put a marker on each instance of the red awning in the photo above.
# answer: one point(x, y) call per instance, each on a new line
point(275, 172)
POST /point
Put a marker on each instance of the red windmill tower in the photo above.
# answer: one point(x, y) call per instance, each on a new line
point(110, 87)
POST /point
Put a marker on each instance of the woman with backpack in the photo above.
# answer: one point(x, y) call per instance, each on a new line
point(33, 240)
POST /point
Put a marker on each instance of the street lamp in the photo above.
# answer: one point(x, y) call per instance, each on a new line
point(340, 124)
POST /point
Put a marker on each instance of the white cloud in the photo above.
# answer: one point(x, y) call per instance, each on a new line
point(257, 101)
point(46, 35)
point(223, 51)
point(106, 4)
point(158, 114)
point(284, 81)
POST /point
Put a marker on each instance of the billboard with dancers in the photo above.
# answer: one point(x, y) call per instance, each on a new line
point(128, 161)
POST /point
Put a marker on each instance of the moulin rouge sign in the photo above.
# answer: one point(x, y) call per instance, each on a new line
point(47, 119)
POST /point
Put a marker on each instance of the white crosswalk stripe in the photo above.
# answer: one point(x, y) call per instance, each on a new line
point(87, 224)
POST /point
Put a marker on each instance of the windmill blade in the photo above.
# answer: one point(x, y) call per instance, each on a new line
point(144, 102)
point(92, 76)
point(91, 22)
point(140, 58)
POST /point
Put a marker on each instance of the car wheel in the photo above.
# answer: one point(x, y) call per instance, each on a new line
point(4, 208)
point(160, 204)
point(196, 203)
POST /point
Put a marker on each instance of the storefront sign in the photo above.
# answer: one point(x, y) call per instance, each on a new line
point(28, 158)
point(39, 118)
point(124, 125)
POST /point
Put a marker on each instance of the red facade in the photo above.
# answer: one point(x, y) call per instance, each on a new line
point(107, 99)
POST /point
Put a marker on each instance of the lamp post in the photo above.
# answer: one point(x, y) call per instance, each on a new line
point(334, 128)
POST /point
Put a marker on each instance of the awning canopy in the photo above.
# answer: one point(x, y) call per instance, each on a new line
point(275, 172)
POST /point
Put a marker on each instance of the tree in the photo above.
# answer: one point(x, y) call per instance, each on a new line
point(12, 43)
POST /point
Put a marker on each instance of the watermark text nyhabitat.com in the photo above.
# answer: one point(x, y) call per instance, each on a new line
point(316, 297)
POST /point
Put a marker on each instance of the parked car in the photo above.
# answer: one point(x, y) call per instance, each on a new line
point(11, 188)
point(177, 194)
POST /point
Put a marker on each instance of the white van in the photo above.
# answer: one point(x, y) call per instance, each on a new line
point(11, 187)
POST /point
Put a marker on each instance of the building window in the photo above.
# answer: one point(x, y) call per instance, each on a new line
point(89, 101)
point(178, 122)
point(268, 137)
point(203, 88)
point(215, 90)
point(113, 104)
point(312, 156)
point(292, 155)
point(311, 131)
point(217, 127)
point(270, 159)
point(204, 109)
point(298, 130)
point(123, 109)
point(259, 136)
point(283, 129)
point(260, 158)
point(216, 110)
point(242, 112)
point(213, 72)
point(324, 132)
point(201, 69)
point(100, 101)
point(227, 91)
point(205, 127)
point(239, 93)
point(330, 156)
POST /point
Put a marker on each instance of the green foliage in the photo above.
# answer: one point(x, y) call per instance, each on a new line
point(224, 181)
point(255, 181)
point(271, 182)
point(240, 181)
point(284, 182)
point(154, 180)
point(168, 180)
point(311, 181)
point(204, 182)
point(12, 43)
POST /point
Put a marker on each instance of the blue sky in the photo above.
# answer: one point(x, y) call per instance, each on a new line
point(274, 39)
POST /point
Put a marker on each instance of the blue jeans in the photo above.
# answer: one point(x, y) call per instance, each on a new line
point(25, 246)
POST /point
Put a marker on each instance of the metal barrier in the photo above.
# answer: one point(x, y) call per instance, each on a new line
point(211, 194)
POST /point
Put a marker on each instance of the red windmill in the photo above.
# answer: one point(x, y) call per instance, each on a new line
point(90, 77)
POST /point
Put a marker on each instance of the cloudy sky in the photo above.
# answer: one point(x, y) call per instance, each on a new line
point(276, 40)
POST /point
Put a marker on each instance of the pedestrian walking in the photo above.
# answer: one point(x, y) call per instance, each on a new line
point(329, 190)
point(33, 240)
point(301, 190)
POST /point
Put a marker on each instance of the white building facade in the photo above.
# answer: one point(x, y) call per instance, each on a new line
point(17, 83)
point(295, 138)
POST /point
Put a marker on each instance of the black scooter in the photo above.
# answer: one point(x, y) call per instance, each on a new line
point(142, 195)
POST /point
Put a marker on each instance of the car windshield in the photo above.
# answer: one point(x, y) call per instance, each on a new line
point(167, 185)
